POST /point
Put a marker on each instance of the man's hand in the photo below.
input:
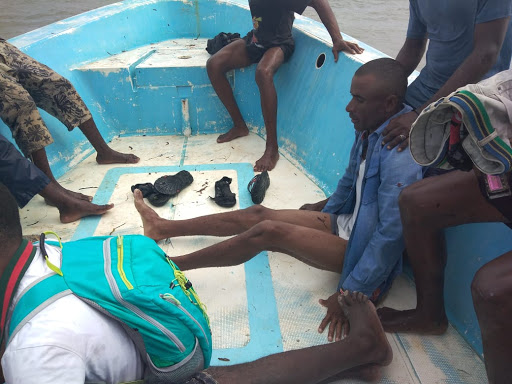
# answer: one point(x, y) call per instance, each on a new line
point(317, 207)
point(334, 317)
point(311, 207)
point(398, 130)
point(346, 46)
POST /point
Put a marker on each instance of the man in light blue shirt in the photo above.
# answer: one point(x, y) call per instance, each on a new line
point(468, 40)
point(367, 251)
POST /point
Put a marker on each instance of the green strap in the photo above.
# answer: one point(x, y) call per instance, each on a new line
point(35, 299)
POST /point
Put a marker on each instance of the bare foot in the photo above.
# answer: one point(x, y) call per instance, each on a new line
point(71, 194)
point(150, 219)
point(268, 161)
point(233, 134)
point(412, 321)
point(365, 327)
point(110, 156)
point(74, 209)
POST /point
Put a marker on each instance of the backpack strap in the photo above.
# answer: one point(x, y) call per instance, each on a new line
point(10, 279)
point(35, 298)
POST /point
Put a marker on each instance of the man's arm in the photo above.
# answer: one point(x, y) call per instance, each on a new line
point(385, 247)
point(411, 53)
point(326, 14)
point(487, 41)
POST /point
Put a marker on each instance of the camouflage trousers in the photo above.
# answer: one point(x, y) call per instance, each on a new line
point(25, 85)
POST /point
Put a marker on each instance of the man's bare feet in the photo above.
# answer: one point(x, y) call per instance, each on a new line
point(73, 195)
point(150, 219)
point(233, 133)
point(366, 328)
point(109, 156)
point(268, 161)
point(412, 321)
point(71, 208)
point(74, 209)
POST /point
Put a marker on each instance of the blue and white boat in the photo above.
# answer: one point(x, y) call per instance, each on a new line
point(140, 67)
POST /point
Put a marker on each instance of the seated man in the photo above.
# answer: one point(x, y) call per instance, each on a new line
point(25, 85)
point(24, 180)
point(269, 44)
point(72, 342)
point(359, 233)
point(455, 198)
point(469, 40)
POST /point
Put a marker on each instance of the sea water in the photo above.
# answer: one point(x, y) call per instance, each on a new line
point(379, 23)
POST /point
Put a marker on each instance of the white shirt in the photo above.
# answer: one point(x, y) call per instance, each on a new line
point(346, 221)
point(68, 342)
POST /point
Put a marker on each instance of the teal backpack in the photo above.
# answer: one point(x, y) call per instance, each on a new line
point(130, 279)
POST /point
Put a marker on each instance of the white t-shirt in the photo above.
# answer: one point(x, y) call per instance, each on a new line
point(68, 342)
point(346, 221)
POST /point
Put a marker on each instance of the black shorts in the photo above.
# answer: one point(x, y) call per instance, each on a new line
point(256, 52)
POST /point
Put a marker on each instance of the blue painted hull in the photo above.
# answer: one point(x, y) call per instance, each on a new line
point(314, 129)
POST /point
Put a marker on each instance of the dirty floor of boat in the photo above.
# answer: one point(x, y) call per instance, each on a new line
point(270, 304)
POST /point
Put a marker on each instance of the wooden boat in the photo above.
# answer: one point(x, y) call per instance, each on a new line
point(140, 67)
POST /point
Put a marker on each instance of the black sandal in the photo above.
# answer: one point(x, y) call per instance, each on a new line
point(173, 184)
point(258, 186)
point(223, 195)
point(146, 189)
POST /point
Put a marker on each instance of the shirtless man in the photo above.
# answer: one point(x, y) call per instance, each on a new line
point(269, 44)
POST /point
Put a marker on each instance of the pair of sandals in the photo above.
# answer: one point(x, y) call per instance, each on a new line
point(168, 186)
point(256, 187)
point(164, 188)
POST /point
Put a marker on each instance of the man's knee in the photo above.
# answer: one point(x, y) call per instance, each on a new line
point(489, 287)
point(217, 64)
point(257, 211)
point(264, 75)
point(266, 231)
point(412, 204)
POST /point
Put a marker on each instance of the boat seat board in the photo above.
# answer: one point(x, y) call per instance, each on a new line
point(270, 304)
point(176, 62)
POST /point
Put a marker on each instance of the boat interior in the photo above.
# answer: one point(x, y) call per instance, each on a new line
point(140, 67)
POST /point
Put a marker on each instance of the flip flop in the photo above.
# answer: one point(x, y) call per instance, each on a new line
point(146, 189)
point(173, 184)
point(223, 195)
point(158, 199)
point(258, 186)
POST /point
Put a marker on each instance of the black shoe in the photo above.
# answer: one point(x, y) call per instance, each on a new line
point(223, 195)
point(146, 189)
point(158, 199)
point(258, 186)
point(173, 184)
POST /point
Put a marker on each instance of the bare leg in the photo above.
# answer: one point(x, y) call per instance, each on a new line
point(105, 154)
point(71, 208)
point(426, 208)
point(227, 223)
point(365, 345)
point(492, 289)
point(267, 67)
point(41, 161)
point(301, 234)
point(232, 56)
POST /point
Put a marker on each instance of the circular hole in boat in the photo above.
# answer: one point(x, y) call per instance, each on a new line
point(320, 60)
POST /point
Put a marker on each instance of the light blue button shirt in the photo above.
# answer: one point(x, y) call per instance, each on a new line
point(373, 257)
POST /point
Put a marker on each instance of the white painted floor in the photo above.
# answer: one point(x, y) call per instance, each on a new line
point(270, 304)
